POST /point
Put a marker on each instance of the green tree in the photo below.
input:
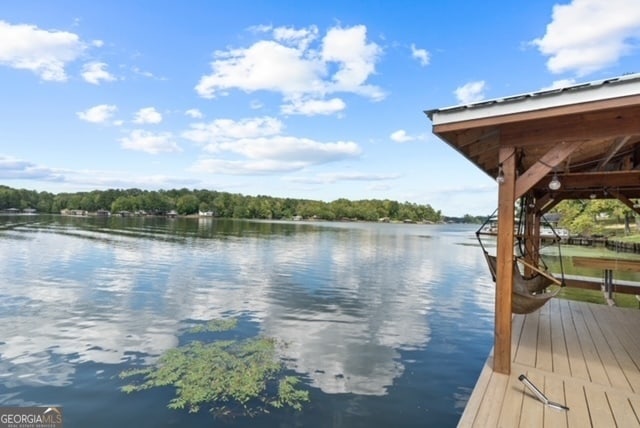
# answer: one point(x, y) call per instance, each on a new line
point(187, 204)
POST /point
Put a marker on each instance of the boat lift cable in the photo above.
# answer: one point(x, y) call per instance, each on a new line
point(558, 239)
point(520, 236)
point(479, 231)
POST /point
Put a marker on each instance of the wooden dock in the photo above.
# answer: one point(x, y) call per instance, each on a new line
point(583, 355)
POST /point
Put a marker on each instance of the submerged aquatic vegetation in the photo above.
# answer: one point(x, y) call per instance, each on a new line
point(215, 325)
point(231, 376)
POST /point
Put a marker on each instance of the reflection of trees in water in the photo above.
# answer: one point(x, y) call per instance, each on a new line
point(345, 299)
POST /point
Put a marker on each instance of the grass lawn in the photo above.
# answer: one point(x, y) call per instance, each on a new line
point(596, 296)
point(582, 295)
point(625, 300)
point(628, 238)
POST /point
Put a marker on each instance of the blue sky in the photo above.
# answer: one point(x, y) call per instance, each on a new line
point(317, 100)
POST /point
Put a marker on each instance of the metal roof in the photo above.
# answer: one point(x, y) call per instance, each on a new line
point(615, 87)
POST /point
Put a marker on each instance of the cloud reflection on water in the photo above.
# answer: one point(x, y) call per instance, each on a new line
point(344, 302)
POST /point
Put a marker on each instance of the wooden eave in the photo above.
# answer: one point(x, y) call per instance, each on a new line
point(605, 134)
point(587, 136)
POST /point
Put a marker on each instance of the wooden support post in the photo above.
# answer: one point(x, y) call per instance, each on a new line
point(504, 253)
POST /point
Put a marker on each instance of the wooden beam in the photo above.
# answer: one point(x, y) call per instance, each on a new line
point(613, 149)
point(600, 263)
point(622, 198)
point(549, 160)
point(552, 203)
point(542, 201)
point(480, 149)
point(582, 127)
point(594, 180)
point(475, 136)
point(504, 254)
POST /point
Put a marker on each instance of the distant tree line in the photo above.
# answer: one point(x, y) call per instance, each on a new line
point(466, 219)
point(220, 204)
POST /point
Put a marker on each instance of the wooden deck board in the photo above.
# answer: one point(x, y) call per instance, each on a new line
point(532, 408)
point(578, 414)
point(626, 373)
point(471, 409)
point(576, 357)
point(635, 406)
point(512, 406)
point(623, 413)
point(579, 354)
point(608, 357)
point(554, 389)
point(488, 416)
point(597, 373)
point(599, 410)
point(624, 343)
point(544, 355)
point(526, 352)
point(558, 343)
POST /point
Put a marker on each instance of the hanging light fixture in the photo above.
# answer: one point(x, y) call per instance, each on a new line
point(555, 184)
point(500, 177)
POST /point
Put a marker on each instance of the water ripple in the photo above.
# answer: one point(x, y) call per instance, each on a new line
point(354, 307)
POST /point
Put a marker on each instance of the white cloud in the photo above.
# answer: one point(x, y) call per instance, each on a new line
point(94, 72)
point(255, 167)
point(313, 107)
point(471, 92)
point(355, 57)
point(150, 142)
point(330, 178)
point(262, 147)
point(588, 35)
point(292, 65)
point(557, 84)
point(16, 169)
point(223, 130)
point(266, 65)
point(147, 115)
point(97, 43)
point(63, 180)
point(98, 114)
point(194, 113)
point(420, 54)
point(301, 38)
point(292, 149)
point(44, 52)
point(145, 73)
point(401, 136)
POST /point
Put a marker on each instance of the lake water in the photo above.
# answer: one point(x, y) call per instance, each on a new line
point(387, 325)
